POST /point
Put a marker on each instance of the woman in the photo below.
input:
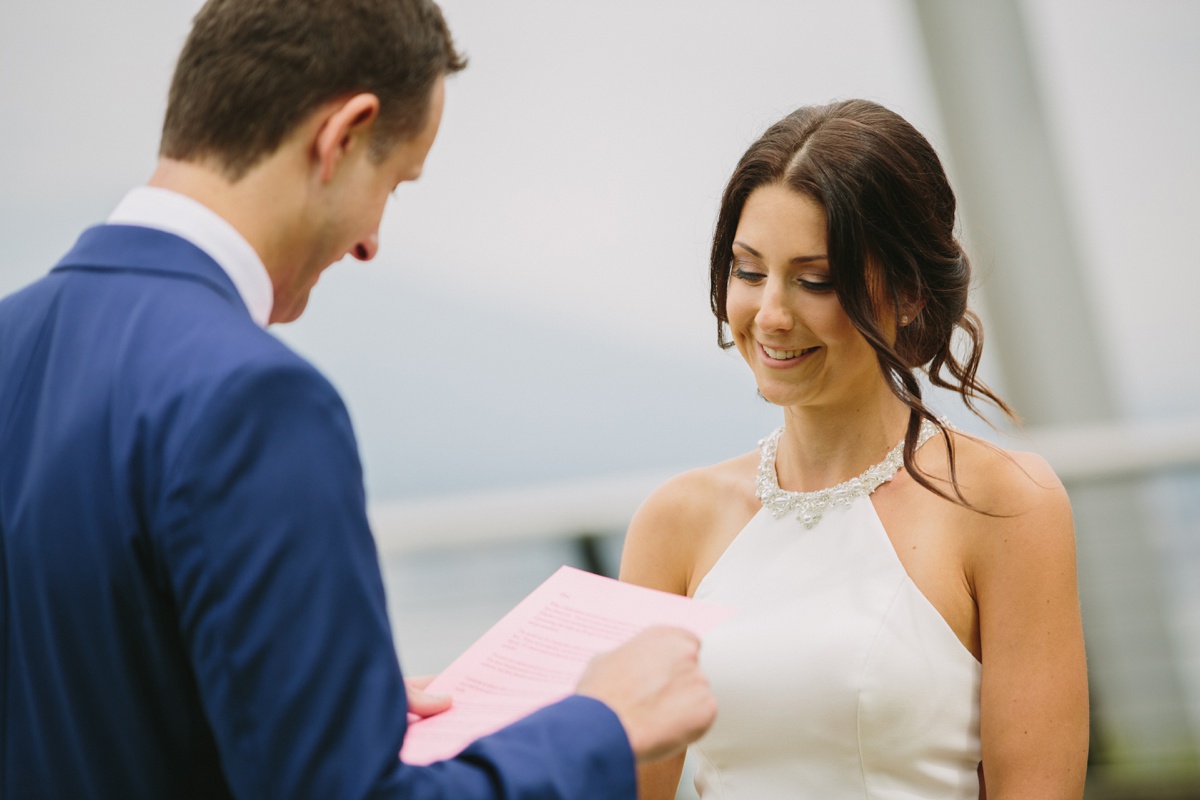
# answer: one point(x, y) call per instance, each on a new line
point(909, 620)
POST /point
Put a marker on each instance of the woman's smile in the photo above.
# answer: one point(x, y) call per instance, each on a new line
point(778, 357)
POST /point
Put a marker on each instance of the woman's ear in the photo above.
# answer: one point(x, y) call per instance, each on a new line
point(909, 309)
point(347, 125)
point(910, 313)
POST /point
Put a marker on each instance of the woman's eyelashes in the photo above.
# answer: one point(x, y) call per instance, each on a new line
point(813, 283)
point(743, 273)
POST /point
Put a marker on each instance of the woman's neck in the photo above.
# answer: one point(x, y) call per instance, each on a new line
point(821, 447)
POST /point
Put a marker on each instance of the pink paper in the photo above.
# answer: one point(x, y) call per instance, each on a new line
point(536, 654)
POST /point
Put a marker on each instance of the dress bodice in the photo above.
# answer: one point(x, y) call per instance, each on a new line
point(838, 678)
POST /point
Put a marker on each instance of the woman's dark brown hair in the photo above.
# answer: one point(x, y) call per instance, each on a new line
point(891, 244)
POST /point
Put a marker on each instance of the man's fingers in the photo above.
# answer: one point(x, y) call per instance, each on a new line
point(654, 684)
point(422, 703)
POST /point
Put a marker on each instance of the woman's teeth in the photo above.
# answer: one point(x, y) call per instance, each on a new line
point(783, 355)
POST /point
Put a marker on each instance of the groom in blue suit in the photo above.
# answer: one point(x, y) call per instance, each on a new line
point(190, 599)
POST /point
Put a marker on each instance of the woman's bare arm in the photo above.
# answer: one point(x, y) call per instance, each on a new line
point(659, 553)
point(1034, 703)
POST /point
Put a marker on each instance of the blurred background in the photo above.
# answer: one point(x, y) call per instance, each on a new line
point(532, 351)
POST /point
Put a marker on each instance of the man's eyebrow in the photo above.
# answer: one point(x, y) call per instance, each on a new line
point(796, 260)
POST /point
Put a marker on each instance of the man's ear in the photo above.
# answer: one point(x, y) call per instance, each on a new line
point(347, 124)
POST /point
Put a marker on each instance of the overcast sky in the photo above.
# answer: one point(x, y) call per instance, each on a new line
point(545, 281)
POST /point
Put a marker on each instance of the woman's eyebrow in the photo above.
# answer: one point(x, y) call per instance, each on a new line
point(796, 260)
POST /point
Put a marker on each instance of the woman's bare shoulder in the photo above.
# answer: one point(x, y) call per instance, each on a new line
point(1017, 516)
point(697, 491)
point(679, 520)
point(1000, 482)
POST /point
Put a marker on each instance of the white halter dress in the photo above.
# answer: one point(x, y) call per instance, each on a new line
point(838, 678)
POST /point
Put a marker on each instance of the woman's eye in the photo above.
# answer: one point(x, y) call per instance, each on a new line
point(743, 274)
point(816, 285)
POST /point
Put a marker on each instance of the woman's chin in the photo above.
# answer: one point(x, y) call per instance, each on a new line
point(779, 396)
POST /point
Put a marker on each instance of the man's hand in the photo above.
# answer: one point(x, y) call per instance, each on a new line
point(420, 702)
point(654, 684)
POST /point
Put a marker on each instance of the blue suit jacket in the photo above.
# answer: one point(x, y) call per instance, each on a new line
point(190, 597)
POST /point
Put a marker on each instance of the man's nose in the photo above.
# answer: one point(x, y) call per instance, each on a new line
point(367, 248)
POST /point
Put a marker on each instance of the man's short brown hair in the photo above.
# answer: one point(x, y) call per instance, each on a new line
point(252, 70)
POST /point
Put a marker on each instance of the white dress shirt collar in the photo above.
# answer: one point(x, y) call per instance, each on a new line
point(164, 210)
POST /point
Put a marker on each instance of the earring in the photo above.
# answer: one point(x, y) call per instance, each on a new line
point(904, 319)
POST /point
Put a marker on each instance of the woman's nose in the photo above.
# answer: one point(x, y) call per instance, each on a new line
point(774, 314)
point(367, 248)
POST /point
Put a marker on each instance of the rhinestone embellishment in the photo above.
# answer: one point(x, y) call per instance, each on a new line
point(809, 506)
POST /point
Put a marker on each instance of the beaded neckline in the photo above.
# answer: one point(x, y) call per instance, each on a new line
point(809, 506)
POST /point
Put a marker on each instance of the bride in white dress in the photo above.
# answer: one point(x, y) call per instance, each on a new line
point(909, 622)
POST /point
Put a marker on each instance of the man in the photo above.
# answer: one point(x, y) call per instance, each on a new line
point(190, 599)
